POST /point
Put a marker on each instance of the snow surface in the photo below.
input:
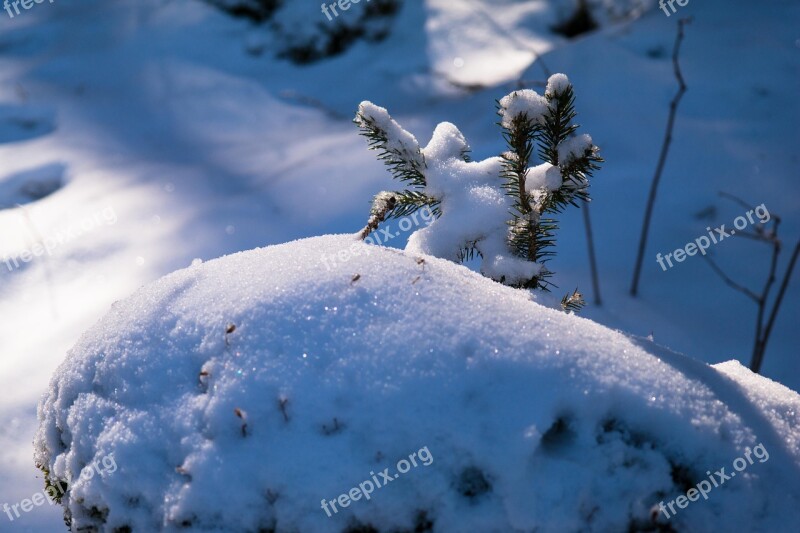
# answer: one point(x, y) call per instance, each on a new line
point(167, 112)
point(535, 419)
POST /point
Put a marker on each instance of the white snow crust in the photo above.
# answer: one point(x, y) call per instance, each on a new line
point(339, 372)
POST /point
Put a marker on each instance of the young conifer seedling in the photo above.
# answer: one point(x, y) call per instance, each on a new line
point(501, 208)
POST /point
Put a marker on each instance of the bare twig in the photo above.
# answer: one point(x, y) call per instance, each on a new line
point(673, 107)
point(592, 263)
point(760, 234)
point(750, 294)
point(736, 199)
point(755, 364)
point(282, 402)
point(762, 302)
point(763, 331)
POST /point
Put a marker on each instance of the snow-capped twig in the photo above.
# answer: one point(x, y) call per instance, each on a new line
point(662, 158)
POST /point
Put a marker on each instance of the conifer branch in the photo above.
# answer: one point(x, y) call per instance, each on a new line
point(573, 302)
point(402, 155)
point(406, 163)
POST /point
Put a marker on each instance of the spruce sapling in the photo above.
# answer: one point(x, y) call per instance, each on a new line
point(500, 208)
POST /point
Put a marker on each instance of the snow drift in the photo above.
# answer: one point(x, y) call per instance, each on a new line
point(238, 394)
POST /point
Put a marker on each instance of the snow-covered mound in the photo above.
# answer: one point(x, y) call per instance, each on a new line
point(269, 389)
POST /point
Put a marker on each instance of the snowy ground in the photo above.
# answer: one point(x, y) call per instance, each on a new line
point(170, 141)
point(287, 389)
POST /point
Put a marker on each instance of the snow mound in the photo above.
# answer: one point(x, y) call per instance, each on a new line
point(264, 390)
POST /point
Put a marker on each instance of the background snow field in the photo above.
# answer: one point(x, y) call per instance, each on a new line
point(181, 121)
point(536, 419)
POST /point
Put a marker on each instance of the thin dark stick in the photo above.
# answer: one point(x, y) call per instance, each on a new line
point(763, 331)
point(736, 199)
point(592, 263)
point(759, 234)
point(762, 303)
point(750, 294)
point(673, 107)
point(755, 365)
